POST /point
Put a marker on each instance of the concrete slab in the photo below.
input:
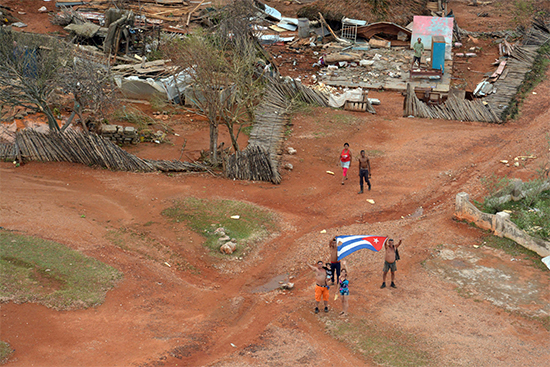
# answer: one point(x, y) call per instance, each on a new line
point(379, 76)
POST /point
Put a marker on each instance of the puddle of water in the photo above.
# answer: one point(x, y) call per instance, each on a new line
point(272, 284)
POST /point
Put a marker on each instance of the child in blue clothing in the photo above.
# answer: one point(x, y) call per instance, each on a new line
point(344, 290)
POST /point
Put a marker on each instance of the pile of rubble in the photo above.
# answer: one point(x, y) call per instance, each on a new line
point(120, 134)
point(227, 244)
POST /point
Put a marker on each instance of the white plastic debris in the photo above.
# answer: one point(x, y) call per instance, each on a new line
point(235, 216)
point(43, 9)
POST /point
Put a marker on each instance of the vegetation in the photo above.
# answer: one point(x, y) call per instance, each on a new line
point(133, 116)
point(532, 214)
point(495, 188)
point(226, 80)
point(387, 346)
point(532, 79)
point(33, 67)
point(205, 216)
point(49, 273)
point(29, 73)
point(5, 352)
point(513, 249)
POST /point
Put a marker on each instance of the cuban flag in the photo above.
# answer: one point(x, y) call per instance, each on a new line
point(350, 244)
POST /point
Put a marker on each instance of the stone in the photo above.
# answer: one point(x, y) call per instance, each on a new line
point(289, 166)
point(287, 286)
point(220, 231)
point(224, 239)
point(291, 151)
point(226, 249)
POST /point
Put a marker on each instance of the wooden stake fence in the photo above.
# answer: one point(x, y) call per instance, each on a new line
point(260, 160)
point(86, 148)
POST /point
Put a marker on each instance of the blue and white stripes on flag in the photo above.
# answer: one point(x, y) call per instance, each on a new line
point(350, 244)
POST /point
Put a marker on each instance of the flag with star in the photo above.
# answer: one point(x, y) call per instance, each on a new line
point(349, 244)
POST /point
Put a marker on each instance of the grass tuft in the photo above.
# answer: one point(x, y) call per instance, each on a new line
point(384, 346)
point(205, 216)
point(5, 352)
point(49, 273)
point(532, 79)
point(513, 249)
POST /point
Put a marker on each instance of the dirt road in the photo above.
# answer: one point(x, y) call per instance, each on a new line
point(162, 316)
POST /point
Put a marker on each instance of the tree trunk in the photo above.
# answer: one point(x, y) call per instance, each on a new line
point(233, 137)
point(52, 122)
point(214, 142)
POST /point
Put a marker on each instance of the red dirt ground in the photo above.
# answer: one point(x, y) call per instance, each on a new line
point(212, 316)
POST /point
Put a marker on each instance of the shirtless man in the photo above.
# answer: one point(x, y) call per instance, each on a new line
point(334, 263)
point(389, 262)
point(364, 170)
point(321, 287)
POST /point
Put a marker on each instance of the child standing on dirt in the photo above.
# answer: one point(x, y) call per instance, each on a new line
point(345, 160)
point(321, 286)
point(344, 290)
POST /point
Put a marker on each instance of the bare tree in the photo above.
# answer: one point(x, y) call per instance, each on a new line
point(222, 66)
point(91, 85)
point(29, 73)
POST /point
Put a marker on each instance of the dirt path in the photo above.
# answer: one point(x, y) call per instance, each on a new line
point(162, 316)
point(209, 313)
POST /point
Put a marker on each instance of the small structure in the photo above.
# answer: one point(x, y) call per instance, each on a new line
point(438, 53)
point(427, 27)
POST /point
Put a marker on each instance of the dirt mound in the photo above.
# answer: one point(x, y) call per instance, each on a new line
point(400, 11)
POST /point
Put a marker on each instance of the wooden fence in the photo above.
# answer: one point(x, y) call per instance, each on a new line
point(86, 148)
point(453, 109)
point(260, 159)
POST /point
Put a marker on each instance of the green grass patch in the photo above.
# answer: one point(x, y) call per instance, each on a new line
point(49, 273)
point(205, 216)
point(532, 215)
point(5, 352)
point(246, 130)
point(515, 250)
point(297, 105)
point(384, 346)
point(532, 79)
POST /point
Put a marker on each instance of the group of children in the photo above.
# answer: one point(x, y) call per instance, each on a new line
point(325, 274)
point(324, 278)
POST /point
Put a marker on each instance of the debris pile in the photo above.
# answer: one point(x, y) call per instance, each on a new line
point(120, 134)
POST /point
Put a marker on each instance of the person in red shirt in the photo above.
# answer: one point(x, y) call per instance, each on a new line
point(345, 160)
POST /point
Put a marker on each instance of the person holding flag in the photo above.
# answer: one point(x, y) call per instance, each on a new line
point(389, 262)
point(334, 262)
point(321, 286)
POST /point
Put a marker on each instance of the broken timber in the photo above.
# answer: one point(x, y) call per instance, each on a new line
point(260, 160)
point(86, 148)
point(453, 109)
